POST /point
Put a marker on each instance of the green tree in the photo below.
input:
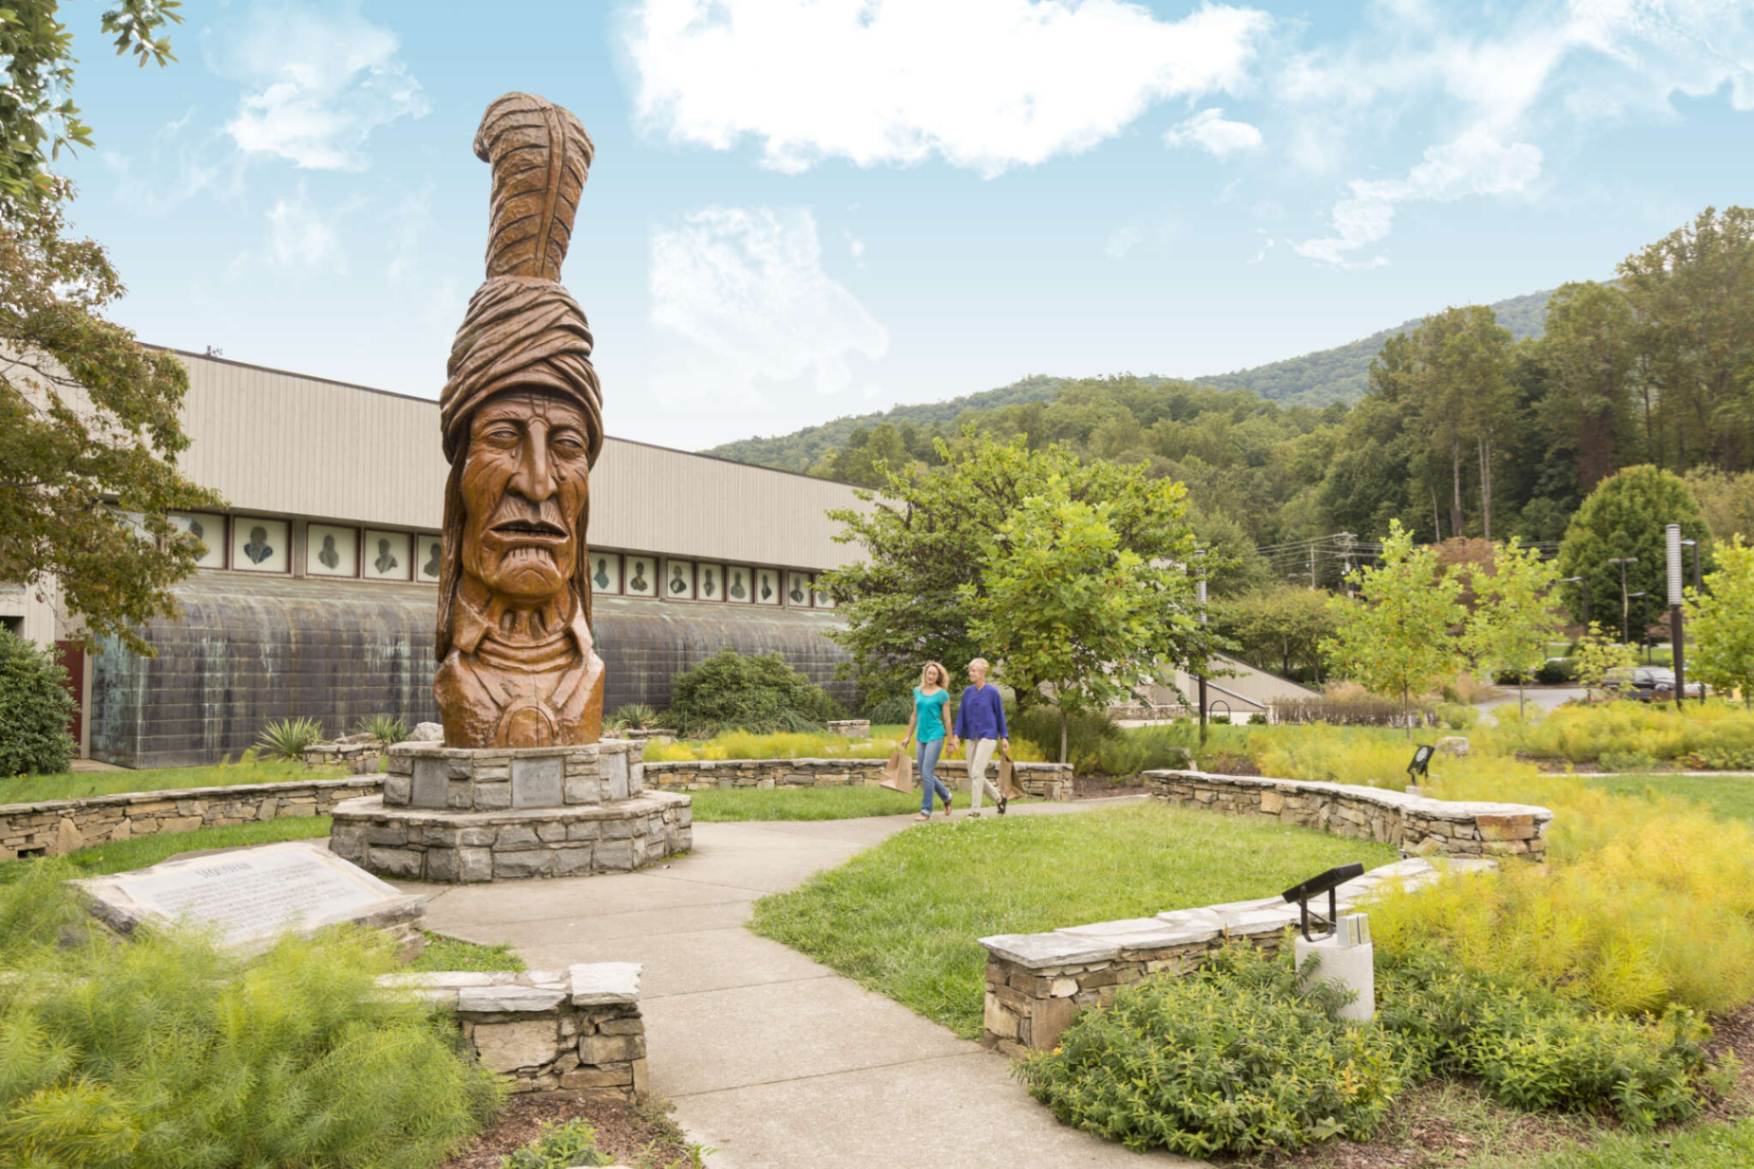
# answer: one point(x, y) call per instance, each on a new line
point(1721, 622)
point(1516, 613)
point(37, 117)
point(1063, 602)
point(35, 709)
point(1465, 398)
point(1590, 354)
point(1693, 293)
point(1398, 635)
point(1278, 628)
point(919, 585)
point(1725, 499)
point(1599, 653)
point(1625, 516)
point(89, 436)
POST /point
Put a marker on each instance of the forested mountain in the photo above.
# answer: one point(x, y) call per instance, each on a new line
point(1342, 374)
point(1328, 375)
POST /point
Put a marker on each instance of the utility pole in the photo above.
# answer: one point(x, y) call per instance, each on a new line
point(1200, 592)
point(1673, 541)
point(1623, 561)
point(1312, 580)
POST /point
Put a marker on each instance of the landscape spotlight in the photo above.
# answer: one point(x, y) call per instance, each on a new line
point(1328, 882)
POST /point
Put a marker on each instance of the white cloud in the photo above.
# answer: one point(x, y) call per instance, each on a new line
point(1474, 164)
point(300, 238)
point(1122, 240)
point(316, 86)
point(987, 85)
point(766, 327)
point(1213, 133)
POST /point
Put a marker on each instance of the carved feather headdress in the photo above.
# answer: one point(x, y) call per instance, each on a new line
point(522, 329)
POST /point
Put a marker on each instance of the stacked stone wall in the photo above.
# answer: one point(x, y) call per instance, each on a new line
point(52, 827)
point(1417, 825)
point(1053, 781)
point(1037, 983)
point(579, 1030)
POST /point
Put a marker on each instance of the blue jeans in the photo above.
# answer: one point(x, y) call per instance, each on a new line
point(926, 759)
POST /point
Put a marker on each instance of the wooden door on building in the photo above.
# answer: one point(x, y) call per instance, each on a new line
point(72, 659)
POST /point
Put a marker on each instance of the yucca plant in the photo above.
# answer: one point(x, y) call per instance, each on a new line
point(636, 715)
point(289, 738)
point(384, 728)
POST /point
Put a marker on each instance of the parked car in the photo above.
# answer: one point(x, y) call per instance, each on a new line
point(1647, 684)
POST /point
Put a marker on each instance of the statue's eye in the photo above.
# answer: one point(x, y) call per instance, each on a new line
point(568, 442)
point(504, 432)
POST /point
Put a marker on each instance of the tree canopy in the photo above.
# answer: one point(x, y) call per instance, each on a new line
point(1626, 517)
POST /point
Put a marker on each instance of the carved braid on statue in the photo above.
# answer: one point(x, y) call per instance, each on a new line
point(522, 416)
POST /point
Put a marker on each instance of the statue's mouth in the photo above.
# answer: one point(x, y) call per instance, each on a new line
point(540, 532)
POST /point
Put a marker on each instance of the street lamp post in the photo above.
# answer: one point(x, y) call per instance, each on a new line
point(1672, 541)
point(1200, 592)
point(1625, 600)
point(1583, 584)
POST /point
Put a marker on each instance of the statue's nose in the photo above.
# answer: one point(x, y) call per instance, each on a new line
point(535, 475)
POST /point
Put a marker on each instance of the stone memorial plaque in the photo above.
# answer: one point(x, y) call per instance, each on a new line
point(432, 783)
point(536, 782)
point(250, 896)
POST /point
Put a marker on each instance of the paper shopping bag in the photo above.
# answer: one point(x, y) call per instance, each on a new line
point(898, 773)
point(1008, 786)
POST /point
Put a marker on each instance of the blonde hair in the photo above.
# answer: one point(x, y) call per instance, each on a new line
point(943, 674)
point(982, 663)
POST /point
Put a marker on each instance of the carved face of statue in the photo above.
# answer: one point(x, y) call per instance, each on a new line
point(524, 487)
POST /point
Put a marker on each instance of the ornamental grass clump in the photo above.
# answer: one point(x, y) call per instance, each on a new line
point(1233, 1058)
point(1656, 730)
point(168, 1051)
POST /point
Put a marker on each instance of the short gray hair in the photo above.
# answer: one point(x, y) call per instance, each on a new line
point(982, 663)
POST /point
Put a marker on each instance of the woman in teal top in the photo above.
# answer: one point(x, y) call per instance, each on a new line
point(931, 706)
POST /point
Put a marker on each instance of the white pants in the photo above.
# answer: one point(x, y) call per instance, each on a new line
point(978, 760)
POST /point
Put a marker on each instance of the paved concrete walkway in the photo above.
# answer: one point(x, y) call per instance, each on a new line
point(773, 1060)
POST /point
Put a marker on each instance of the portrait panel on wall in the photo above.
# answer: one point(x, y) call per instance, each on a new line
point(820, 595)
point(798, 588)
point(767, 586)
point(430, 551)
point(207, 528)
point(331, 550)
point(641, 576)
point(605, 572)
point(259, 545)
point(678, 580)
point(739, 584)
point(387, 555)
point(709, 582)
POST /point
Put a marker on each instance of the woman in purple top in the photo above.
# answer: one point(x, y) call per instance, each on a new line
point(980, 722)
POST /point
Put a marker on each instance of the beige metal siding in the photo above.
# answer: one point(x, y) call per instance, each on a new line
point(278, 442)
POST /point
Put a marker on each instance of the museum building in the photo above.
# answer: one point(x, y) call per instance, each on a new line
point(316, 589)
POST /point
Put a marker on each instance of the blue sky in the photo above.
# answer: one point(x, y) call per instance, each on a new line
point(807, 208)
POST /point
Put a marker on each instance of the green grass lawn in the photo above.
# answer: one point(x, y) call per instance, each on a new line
point(447, 953)
point(1709, 1146)
point(139, 852)
point(807, 803)
point(903, 918)
point(1729, 796)
point(69, 785)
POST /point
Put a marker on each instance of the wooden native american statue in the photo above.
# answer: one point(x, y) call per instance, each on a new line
point(522, 415)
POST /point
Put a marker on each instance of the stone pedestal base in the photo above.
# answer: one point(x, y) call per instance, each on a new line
point(453, 815)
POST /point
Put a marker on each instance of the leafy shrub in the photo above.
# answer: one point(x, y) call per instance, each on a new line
point(1557, 672)
point(1722, 759)
point(1581, 733)
point(753, 692)
point(34, 710)
point(1086, 734)
point(288, 738)
point(383, 728)
point(636, 715)
point(1535, 1051)
point(560, 1146)
point(888, 710)
point(1233, 1058)
point(1457, 717)
point(1138, 749)
point(1644, 902)
point(141, 1055)
point(1348, 707)
point(1626, 761)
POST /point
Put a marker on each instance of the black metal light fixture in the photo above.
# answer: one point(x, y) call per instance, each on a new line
point(1329, 883)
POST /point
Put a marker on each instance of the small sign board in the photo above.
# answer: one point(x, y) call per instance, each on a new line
point(250, 896)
